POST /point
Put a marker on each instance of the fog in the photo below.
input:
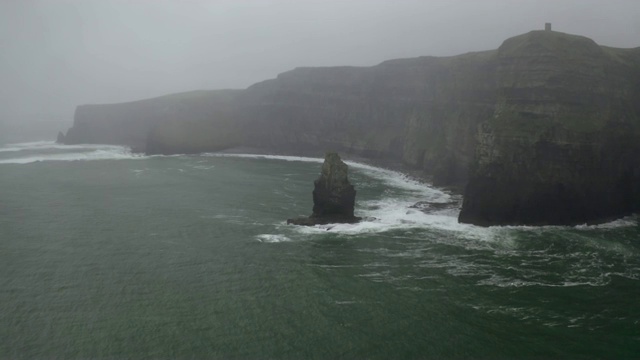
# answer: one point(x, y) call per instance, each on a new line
point(57, 54)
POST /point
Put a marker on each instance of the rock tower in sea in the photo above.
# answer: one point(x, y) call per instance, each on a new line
point(333, 196)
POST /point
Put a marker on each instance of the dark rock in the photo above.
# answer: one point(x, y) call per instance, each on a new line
point(333, 196)
point(60, 138)
point(561, 147)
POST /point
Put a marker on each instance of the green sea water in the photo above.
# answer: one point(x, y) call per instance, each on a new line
point(105, 254)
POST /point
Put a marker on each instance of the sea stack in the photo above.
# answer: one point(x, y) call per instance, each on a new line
point(333, 196)
point(60, 138)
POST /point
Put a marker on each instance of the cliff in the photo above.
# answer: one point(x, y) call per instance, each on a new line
point(542, 130)
point(134, 123)
point(562, 144)
point(420, 111)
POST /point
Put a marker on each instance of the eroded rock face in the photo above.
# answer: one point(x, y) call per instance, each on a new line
point(60, 138)
point(561, 147)
point(422, 112)
point(333, 196)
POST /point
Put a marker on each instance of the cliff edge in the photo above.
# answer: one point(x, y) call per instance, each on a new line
point(543, 130)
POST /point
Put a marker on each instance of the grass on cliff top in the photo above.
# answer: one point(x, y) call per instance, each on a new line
point(466, 58)
point(198, 94)
point(558, 43)
point(221, 95)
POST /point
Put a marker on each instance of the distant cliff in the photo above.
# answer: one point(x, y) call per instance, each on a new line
point(542, 130)
point(421, 111)
point(134, 123)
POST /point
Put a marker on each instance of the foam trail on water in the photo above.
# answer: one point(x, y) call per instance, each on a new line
point(627, 221)
point(421, 191)
point(49, 145)
point(395, 212)
point(615, 224)
point(34, 145)
point(272, 238)
point(389, 213)
point(38, 151)
point(391, 177)
point(270, 157)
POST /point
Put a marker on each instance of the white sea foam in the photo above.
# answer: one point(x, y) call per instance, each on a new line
point(390, 177)
point(270, 157)
point(49, 145)
point(38, 151)
point(395, 212)
point(619, 223)
point(401, 181)
point(615, 224)
point(272, 238)
point(389, 213)
point(503, 282)
point(29, 146)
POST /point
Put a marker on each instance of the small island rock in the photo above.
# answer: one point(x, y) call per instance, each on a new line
point(60, 138)
point(333, 196)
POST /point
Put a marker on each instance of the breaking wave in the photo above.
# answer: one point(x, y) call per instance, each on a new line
point(25, 153)
point(272, 238)
point(270, 157)
point(397, 210)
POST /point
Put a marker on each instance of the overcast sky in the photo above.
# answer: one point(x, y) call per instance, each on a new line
point(57, 54)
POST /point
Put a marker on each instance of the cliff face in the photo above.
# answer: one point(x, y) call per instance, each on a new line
point(132, 123)
point(542, 130)
point(420, 111)
point(562, 144)
point(195, 124)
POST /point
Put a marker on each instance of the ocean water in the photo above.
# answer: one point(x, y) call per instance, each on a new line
point(108, 254)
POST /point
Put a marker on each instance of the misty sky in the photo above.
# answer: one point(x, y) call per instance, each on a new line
point(57, 54)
